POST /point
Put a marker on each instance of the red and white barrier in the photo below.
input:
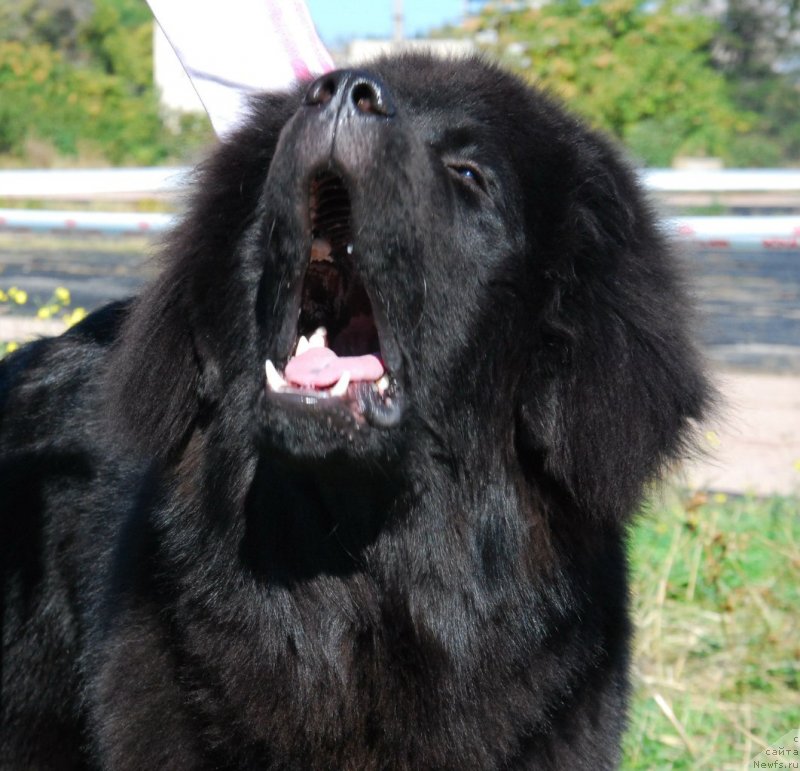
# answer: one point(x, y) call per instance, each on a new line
point(737, 233)
point(84, 221)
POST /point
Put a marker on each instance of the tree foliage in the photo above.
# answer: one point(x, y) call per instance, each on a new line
point(642, 71)
point(76, 76)
point(757, 48)
point(49, 22)
point(754, 37)
point(119, 44)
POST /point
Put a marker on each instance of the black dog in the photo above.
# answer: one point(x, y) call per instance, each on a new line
point(403, 548)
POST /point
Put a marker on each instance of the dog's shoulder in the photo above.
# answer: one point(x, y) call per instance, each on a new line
point(46, 383)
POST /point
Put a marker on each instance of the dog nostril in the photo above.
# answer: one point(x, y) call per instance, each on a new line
point(368, 98)
point(321, 91)
point(365, 99)
point(359, 91)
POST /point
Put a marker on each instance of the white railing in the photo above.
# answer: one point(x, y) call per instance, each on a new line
point(723, 232)
point(131, 184)
point(92, 184)
point(722, 180)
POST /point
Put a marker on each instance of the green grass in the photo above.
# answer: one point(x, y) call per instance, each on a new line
point(717, 605)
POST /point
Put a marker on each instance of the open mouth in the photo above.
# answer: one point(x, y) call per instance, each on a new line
point(344, 358)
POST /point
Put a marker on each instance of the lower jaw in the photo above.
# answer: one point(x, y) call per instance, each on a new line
point(351, 415)
point(360, 405)
point(316, 436)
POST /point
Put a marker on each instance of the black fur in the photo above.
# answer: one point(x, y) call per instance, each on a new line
point(196, 575)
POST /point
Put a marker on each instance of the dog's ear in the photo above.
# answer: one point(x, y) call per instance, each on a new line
point(165, 368)
point(154, 382)
point(616, 383)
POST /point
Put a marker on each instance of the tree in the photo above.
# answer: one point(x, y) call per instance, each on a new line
point(74, 84)
point(640, 70)
point(754, 37)
point(52, 22)
point(757, 48)
point(120, 45)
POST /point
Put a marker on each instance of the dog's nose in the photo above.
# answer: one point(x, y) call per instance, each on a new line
point(355, 90)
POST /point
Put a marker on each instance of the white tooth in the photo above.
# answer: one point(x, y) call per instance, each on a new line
point(383, 384)
point(274, 378)
point(302, 346)
point(349, 248)
point(319, 339)
point(340, 389)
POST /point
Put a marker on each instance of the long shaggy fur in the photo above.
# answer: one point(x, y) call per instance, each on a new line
point(197, 576)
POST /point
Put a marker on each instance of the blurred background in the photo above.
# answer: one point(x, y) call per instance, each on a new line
point(87, 82)
point(99, 123)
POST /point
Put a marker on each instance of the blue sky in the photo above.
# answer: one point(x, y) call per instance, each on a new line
point(340, 20)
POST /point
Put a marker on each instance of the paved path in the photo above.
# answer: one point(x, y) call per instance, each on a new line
point(749, 308)
point(95, 269)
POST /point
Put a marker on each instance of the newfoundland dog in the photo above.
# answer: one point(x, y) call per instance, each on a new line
point(347, 486)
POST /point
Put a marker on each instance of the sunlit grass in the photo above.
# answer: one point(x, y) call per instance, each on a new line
point(717, 602)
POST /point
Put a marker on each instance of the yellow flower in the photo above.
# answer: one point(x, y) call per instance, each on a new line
point(19, 296)
point(3, 297)
point(62, 295)
point(78, 315)
point(11, 347)
point(720, 498)
point(43, 313)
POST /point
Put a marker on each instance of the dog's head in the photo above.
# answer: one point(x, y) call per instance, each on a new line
point(420, 255)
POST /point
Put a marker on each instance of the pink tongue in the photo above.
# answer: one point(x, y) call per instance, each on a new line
point(321, 367)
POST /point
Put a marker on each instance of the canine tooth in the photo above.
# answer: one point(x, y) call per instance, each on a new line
point(274, 378)
point(382, 385)
point(349, 248)
point(340, 389)
point(319, 339)
point(302, 346)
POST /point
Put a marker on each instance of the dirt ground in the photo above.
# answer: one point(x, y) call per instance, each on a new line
point(752, 445)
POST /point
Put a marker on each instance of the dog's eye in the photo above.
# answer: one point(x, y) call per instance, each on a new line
point(468, 173)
